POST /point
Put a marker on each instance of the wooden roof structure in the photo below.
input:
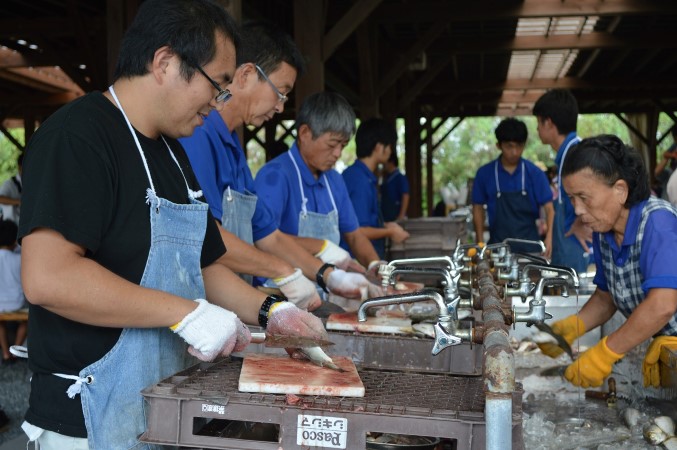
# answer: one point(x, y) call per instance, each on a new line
point(393, 58)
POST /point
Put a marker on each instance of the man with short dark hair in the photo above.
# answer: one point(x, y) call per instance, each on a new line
point(557, 115)
point(121, 260)
point(513, 189)
point(375, 141)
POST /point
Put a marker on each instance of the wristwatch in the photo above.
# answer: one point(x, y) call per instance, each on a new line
point(319, 277)
point(265, 308)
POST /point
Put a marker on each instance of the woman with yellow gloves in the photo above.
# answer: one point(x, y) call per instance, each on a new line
point(634, 243)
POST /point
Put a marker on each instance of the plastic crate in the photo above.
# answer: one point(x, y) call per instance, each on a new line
point(197, 407)
point(429, 236)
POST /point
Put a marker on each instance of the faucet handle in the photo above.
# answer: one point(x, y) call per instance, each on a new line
point(443, 339)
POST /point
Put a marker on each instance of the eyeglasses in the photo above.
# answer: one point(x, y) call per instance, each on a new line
point(223, 95)
point(280, 96)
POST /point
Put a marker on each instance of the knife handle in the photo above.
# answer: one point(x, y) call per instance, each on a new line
point(258, 338)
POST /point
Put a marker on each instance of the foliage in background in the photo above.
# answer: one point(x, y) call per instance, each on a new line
point(9, 153)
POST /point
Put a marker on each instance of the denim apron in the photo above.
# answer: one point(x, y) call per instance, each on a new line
point(238, 212)
point(316, 225)
point(514, 217)
point(110, 387)
point(566, 251)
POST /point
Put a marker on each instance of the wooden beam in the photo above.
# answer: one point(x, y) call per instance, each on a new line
point(433, 10)
point(424, 81)
point(11, 138)
point(357, 14)
point(632, 128)
point(309, 22)
point(55, 27)
point(367, 57)
point(447, 133)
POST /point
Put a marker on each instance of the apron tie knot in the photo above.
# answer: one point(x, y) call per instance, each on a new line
point(75, 388)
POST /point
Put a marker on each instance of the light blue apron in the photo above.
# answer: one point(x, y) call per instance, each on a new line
point(110, 388)
point(316, 225)
point(566, 251)
point(238, 212)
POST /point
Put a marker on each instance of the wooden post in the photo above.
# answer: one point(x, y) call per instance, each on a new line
point(309, 24)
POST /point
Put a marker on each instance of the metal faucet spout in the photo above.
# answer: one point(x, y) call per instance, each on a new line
point(413, 297)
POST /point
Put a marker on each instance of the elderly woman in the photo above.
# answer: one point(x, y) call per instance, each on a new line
point(635, 242)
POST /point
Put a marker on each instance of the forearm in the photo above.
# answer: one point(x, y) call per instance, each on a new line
point(660, 166)
point(361, 247)
point(372, 233)
point(9, 200)
point(597, 310)
point(57, 276)
point(287, 248)
point(478, 222)
point(244, 258)
point(224, 288)
point(646, 320)
point(311, 245)
point(404, 208)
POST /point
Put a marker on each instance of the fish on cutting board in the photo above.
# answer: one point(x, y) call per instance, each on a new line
point(278, 374)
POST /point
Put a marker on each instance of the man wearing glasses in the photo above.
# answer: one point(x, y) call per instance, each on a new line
point(121, 261)
point(268, 63)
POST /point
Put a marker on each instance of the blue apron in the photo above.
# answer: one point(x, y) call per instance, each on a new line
point(316, 225)
point(514, 217)
point(238, 212)
point(566, 251)
point(110, 388)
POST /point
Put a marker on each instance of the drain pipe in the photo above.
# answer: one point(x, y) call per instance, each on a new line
point(499, 364)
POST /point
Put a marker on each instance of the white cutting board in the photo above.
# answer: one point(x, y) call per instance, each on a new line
point(349, 322)
point(280, 374)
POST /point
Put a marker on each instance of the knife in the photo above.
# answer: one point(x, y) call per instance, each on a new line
point(561, 342)
point(286, 341)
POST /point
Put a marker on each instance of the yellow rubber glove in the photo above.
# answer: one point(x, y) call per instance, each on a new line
point(593, 366)
point(570, 328)
point(650, 366)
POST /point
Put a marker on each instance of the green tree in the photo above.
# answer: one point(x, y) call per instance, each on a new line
point(9, 153)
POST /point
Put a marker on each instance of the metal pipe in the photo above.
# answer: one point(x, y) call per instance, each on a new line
point(499, 365)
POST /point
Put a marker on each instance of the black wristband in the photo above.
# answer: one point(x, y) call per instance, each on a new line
point(265, 307)
point(319, 276)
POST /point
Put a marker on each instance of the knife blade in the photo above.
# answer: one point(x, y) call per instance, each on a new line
point(286, 341)
point(561, 342)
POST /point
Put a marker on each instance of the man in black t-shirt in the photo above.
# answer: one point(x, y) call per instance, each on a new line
point(121, 258)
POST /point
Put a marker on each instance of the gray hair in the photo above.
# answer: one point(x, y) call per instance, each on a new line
point(327, 112)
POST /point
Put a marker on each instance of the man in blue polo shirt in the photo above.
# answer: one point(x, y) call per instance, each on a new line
point(268, 62)
point(307, 196)
point(394, 191)
point(514, 189)
point(375, 141)
point(557, 115)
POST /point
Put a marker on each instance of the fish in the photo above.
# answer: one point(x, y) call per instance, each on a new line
point(654, 435)
point(317, 356)
point(631, 417)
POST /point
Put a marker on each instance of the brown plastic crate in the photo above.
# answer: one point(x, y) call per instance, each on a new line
point(181, 407)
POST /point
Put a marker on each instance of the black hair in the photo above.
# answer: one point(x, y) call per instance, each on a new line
point(560, 106)
point(511, 130)
point(8, 233)
point(611, 160)
point(394, 159)
point(188, 27)
point(372, 132)
point(267, 46)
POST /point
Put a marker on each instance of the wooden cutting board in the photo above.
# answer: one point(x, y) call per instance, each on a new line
point(349, 322)
point(280, 374)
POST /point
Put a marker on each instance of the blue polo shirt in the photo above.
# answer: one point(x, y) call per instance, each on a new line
point(219, 161)
point(278, 187)
point(392, 190)
point(362, 186)
point(484, 189)
point(659, 246)
point(569, 213)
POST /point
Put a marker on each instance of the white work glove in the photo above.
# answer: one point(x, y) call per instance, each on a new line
point(299, 290)
point(348, 285)
point(286, 319)
point(211, 331)
point(333, 254)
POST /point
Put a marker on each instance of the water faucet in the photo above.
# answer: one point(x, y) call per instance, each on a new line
point(525, 241)
point(498, 250)
point(443, 262)
point(446, 332)
point(536, 312)
point(449, 281)
point(513, 261)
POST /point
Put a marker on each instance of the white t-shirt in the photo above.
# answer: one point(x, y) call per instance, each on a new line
point(672, 188)
point(11, 190)
point(11, 292)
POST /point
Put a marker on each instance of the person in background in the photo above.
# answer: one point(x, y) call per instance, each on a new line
point(266, 58)
point(666, 167)
point(394, 190)
point(120, 257)
point(10, 194)
point(11, 292)
point(634, 241)
point(513, 190)
point(556, 112)
point(307, 197)
point(375, 141)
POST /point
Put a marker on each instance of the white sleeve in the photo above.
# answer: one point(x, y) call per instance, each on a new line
point(672, 188)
